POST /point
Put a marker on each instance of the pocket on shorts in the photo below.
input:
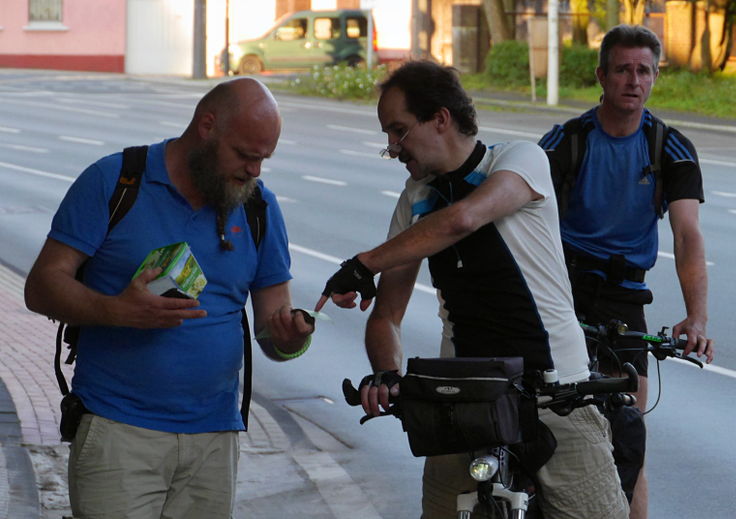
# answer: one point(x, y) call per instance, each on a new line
point(591, 424)
point(86, 441)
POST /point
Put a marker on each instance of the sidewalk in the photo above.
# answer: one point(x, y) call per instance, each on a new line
point(283, 471)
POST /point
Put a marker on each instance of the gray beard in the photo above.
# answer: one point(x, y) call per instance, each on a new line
point(211, 182)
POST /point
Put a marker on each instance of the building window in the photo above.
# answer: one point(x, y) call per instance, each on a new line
point(44, 11)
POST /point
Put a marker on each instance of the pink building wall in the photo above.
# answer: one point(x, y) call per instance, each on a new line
point(91, 36)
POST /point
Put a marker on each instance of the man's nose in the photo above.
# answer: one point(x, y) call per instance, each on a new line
point(253, 169)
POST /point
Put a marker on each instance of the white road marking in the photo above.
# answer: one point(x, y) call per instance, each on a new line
point(325, 180)
point(86, 101)
point(286, 141)
point(5, 129)
point(172, 124)
point(379, 145)
point(349, 129)
point(718, 162)
point(373, 155)
point(727, 194)
point(56, 106)
point(21, 147)
point(282, 199)
point(392, 194)
point(37, 172)
point(327, 108)
point(710, 367)
point(332, 259)
point(344, 497)
point(81, 140)
point(671, 256)
point(732, 211)
point(535, 136)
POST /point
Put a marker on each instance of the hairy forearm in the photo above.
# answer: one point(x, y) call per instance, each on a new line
point(383, 345)
point(691, 271)
point(61, 297)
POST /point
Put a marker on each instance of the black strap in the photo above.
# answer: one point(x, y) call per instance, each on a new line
point(123, 198)
point(614, 267)
point(255, 212)
point(655, 156)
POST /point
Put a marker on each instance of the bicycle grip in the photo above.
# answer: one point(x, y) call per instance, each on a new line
point(628, 384)
point(352, 395)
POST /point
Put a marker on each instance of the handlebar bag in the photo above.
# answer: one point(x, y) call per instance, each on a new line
point(453, 405)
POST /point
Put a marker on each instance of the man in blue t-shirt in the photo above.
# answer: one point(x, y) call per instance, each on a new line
point(159, 375)
point(610, 201)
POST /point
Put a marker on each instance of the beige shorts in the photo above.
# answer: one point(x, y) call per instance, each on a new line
point(118, 471)
point(579, 481)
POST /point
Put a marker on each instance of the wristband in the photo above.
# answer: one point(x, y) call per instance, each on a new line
point(299, 353)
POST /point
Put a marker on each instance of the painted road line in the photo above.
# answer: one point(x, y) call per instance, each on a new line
point(36, 172)
point(535, 136)
point(392, 194)
point(717, 162)
point(21, 147)
point(726, 194)
point(671, 256)
point(373, 155)
point(5, 129)
point(349, 129)
point(325, 180)
point(332, 259)
point(81, 140)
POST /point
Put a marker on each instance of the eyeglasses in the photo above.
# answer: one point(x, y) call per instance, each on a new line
point(393, 149)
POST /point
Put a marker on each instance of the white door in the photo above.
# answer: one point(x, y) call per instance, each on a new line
point(159, 37)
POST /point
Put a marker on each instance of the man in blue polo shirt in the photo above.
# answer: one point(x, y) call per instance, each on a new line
point(159, 375)
point(611, 190)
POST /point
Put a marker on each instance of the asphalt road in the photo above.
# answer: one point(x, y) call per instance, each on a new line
point(337, 196)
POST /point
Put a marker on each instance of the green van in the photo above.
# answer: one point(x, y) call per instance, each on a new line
point(303, 39)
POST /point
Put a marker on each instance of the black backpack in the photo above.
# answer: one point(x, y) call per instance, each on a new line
point(123, 198)
point(576, 133)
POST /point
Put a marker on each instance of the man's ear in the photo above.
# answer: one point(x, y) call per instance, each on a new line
point(442, 119)
point(600, 74)
point(206, 125)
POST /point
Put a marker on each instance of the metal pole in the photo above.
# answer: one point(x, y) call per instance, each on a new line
point(369, 39)
point(226, 56)
point(199, 60)
point(553, 53)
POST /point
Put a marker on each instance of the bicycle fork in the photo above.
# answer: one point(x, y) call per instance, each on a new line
point(519, 501)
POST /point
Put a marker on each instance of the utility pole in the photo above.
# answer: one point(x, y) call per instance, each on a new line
point(226, 56)
point(199, 58)
point(553, 53)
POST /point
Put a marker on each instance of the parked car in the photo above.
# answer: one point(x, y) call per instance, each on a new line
point(303, 39)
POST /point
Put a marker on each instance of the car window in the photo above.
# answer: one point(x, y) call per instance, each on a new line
point(295, 29)
point(356, 26)
point(326, 28)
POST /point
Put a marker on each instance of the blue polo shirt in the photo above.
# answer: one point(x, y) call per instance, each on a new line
point(182, 379)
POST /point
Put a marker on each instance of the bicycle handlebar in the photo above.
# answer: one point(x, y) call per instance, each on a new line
point(660, 345)
point(562, 398)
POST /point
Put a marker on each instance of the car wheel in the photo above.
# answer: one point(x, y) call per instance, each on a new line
point(355, 61)
point(250, 65)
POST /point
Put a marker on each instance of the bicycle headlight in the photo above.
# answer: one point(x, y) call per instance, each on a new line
point(483, 468)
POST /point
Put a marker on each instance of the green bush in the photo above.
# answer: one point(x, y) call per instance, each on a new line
point(577, 66)
point(507, 64)
point(340, 82)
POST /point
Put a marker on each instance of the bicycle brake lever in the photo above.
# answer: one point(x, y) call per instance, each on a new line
point(690, 359)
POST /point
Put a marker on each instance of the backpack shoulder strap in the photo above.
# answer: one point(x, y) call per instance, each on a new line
point(126, 190)
point(123, 198)
point(656, 136)
point(255, 211)
point(576, 132)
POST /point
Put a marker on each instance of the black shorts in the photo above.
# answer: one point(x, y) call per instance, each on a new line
point(597, 302)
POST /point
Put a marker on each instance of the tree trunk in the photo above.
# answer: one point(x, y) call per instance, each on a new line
point(712, 31)
point(634, 12)
point(580, 20)
point(499, 24)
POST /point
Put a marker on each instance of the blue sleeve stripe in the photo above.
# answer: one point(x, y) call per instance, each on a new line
point(552, 138)
point(475, 178)
point(423, 206)
point(673, 143)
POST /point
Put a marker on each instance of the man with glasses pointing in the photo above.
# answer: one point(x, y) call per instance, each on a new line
point(486, 219)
